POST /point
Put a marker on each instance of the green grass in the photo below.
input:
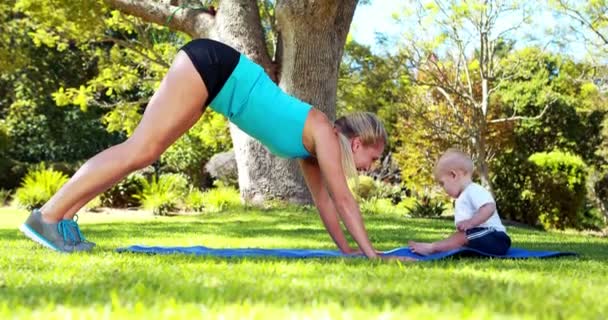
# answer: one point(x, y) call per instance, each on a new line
point(37, 283)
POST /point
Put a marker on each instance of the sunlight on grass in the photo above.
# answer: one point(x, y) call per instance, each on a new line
point(36, 283)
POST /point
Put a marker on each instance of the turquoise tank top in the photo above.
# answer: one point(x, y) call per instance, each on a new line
point(256, 105)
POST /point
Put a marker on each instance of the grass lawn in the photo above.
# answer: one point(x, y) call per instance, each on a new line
point(38, 283)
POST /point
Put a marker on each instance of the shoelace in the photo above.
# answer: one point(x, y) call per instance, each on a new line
point(70, 231)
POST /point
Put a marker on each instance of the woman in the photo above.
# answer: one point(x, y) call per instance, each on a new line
point(207, 72)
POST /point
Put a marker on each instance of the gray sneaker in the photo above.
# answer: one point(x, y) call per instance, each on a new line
point(64, 236)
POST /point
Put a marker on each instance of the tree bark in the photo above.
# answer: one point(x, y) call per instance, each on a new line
point(312, 37)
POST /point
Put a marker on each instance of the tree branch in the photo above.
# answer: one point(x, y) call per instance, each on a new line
point(195, 22)
point(516, 118)
point(576, 15)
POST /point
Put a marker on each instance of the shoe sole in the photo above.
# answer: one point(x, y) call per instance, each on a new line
point(37, 237)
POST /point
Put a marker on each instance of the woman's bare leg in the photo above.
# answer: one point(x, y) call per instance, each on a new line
point(174, 108)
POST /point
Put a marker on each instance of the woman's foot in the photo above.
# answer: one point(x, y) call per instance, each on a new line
point(63, 236)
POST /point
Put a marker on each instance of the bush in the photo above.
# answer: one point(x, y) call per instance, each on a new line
point(407, 203)
point(591, 218)
point(426, 208)
point(124, 193)
point(511, 176)
point(164, 195)
point(221, 198)
point(94, 204)
point(38, 186)
point(195, 200)
point(597, 186)
point(14, 171)
point(188, 154)
point(379, 206)
point(557, 190)
point(368, 188)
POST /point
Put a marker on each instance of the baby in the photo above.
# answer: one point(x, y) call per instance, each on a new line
point(479, 226)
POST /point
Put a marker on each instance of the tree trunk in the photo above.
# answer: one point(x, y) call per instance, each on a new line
point(312, 37)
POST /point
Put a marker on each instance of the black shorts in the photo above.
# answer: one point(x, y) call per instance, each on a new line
point(488, 241)
point(214, 62)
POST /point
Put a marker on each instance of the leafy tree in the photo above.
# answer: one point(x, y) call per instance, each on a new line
point(309, 31)
point(573, 123)
point(37, 129)
point(454, 51)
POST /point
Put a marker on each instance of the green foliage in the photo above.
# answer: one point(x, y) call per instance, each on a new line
point(375, 83)
point(4, 139)
point(39, 131)
point(38, 186)
point(587, 20)
point(194, 200)
point(221, 198)
point(572, 122)
point(209, 136)
point(368, 188)
point(379, 206)
point(94, 204)
point(427, 208)
point(549, 190)
point(574, 109)
point(557, 191)
point(599, 190)
point(55, 23)
point(163, 196)
point(46, 133)
point(124, 193)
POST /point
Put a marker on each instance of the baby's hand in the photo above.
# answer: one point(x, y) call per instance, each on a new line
point(465, 225)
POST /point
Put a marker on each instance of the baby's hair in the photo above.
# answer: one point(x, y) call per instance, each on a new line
point(455, 159)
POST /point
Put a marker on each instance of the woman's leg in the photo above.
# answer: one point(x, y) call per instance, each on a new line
point(174, 108)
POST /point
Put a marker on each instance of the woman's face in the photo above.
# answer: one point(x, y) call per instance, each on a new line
point(365, 156)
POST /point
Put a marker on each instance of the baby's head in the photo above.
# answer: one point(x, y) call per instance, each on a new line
point(453, 171)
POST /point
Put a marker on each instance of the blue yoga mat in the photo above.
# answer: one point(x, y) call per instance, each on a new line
point(514, 253)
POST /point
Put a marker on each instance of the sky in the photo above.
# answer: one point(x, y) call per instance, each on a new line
point(377, 18)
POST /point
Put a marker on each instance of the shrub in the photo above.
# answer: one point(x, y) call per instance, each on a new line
point(124, 193)
point(426, 208)
point(195, 200)
point(164, 195)
point(379, 206)
point(94, 204)
point(189, 153)
point(557, 191)
point(221, 198)
point(368, 188)
point(38, 187)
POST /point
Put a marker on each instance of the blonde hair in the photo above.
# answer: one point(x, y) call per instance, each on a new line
point(456, 160)
point(364, 125)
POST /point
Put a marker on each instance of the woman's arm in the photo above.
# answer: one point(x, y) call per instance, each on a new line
point(329, 158)
point(323, 202)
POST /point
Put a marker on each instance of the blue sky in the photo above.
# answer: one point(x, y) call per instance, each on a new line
point(377, 17)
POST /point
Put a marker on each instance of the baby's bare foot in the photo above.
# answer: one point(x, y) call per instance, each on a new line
point(421, 247)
